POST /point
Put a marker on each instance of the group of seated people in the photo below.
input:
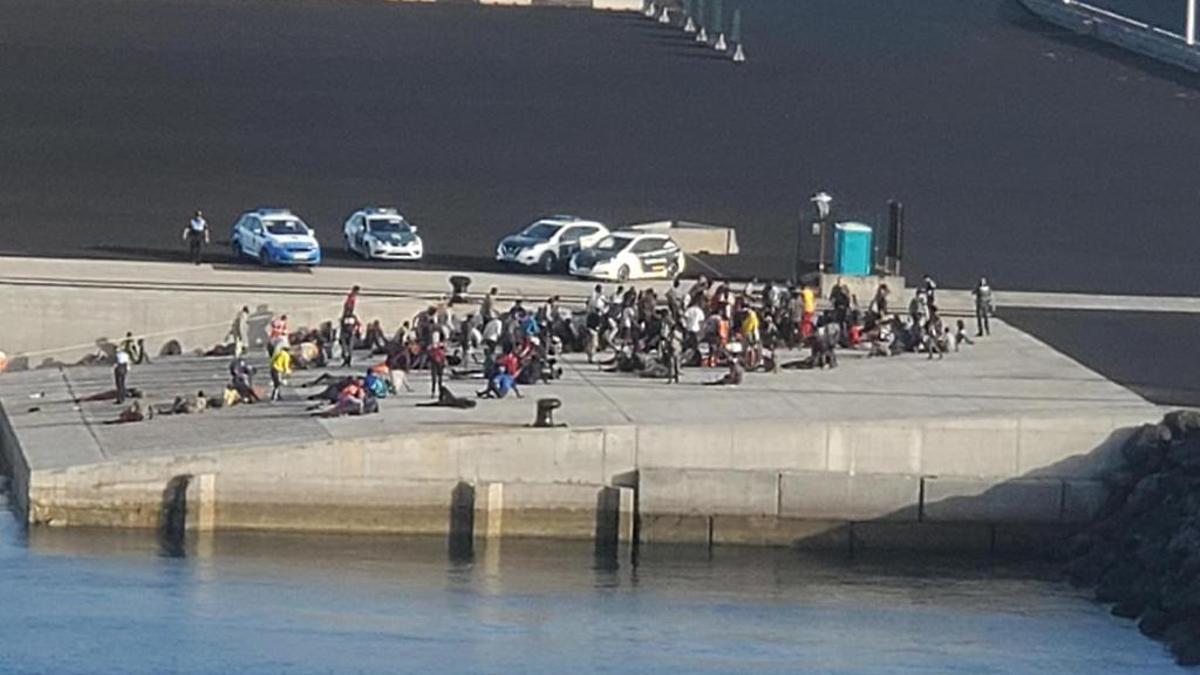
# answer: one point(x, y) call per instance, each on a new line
point(705, 325)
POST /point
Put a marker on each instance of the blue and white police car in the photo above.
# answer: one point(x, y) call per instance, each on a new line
point(381, 233)
point(275, 237)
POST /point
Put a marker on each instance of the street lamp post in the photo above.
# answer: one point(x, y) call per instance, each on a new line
point(821, 201)
point(1191, 23)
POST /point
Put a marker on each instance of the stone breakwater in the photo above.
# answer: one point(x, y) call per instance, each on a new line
point(1142, 553)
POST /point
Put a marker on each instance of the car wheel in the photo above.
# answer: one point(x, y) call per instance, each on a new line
point(237, 249)
point(623, 274)
point(673, 270)
point(263, 258)
point(548, 263)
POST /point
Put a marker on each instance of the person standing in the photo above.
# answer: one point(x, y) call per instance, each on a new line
point(984, 307)
point(930, 287)
point(277, 333)
point(808, 312)
point(239, 331)
point(350, 306)
point(196, 235)
point(437, 367)
point(281, 367)
point(347, 332)
point(121, 374)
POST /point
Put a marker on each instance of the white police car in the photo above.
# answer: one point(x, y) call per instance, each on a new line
point(626, 254)
point(383, 234)
point(548, 243)
point(275, 237)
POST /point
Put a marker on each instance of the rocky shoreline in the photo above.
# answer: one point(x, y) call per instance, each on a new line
point(1142, 553)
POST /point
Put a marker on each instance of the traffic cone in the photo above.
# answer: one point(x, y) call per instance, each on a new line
point(702, 36)
point(739, 56)
point(720, 46)
point(665, 17)
point(690, 26)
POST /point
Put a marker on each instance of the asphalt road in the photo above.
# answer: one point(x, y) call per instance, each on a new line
point(1037, 158)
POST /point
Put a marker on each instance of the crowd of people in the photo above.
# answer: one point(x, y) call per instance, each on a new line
point(703, 324)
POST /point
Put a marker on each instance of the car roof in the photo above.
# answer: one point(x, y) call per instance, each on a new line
point(638, 236)
point(568, 220)
point(271, 211)
point(378, 211)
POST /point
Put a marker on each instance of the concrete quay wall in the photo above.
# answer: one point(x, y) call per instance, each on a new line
point(953, 483)
point(63, 325)
point(1118, 30)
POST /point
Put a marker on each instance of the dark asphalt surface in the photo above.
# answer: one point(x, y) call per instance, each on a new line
point(1037, 158)
point(1151, 353)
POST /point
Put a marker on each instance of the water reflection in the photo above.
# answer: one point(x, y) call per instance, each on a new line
point(108, 601)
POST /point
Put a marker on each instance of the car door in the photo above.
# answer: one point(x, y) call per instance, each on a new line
point(257, 236)
point(568, 242)
point(358, 232)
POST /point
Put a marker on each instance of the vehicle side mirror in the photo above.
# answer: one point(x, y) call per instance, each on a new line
point(413, 228)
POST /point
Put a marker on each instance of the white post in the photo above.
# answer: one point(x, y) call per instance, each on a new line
point(1191, 23)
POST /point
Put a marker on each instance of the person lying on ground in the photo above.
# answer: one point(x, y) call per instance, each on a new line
point(350, 401)
point(137, 411)
point(334, 389)
point(447, 399)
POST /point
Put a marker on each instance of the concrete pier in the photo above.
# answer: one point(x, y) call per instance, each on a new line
point(999, 447)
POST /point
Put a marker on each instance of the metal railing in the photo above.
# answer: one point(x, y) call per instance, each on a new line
point(1189, 39)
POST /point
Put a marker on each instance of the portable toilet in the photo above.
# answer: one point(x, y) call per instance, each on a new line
point(852, 249)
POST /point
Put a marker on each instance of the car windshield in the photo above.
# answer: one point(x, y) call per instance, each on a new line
point(613, 244)
point(387, 225)
point(283, 227)
point(542, 231)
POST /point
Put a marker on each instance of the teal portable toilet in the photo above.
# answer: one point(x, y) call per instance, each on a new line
point(852, 249)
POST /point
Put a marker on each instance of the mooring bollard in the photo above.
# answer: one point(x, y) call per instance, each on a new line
point(739, 56)
point(720, 45)
point(545, 412)
point(690, 26)
point(702, 36)
point(458, 288)
point(651, 10)
point(665, 17)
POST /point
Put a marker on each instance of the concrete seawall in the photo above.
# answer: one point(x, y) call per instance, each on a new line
point(956, 484)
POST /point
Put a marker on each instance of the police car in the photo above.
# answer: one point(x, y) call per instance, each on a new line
point(382, 234)
point(626, 254)
point(549, 243)
point(275, 237)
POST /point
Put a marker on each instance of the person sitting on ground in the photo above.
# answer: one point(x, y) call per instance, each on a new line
point(935, 337)
point(242, 374)
point(732, 377)
point(500, 384)
point(960, 335)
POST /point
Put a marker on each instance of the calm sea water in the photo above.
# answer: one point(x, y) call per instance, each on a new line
point(104, 602)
